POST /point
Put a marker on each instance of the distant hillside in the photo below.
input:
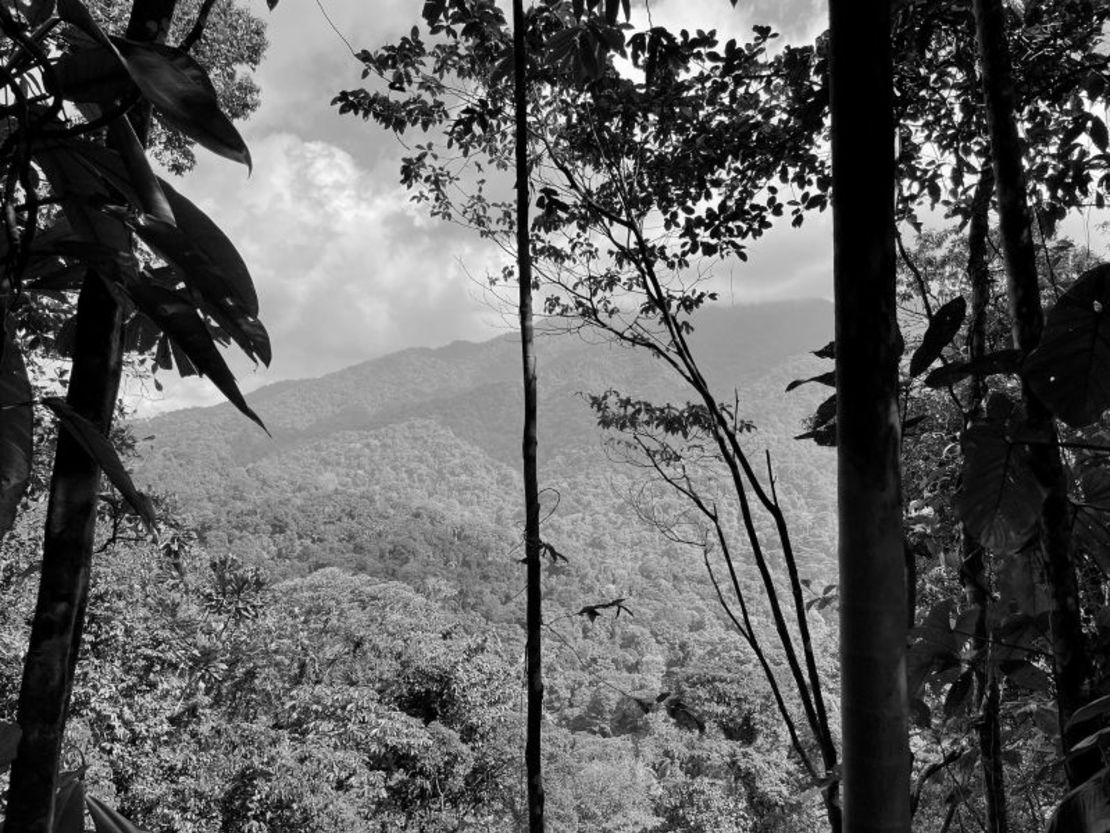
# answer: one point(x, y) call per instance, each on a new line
point(406, 467)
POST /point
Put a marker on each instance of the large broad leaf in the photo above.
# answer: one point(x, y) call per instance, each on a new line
point(1092, 516)
point(179, 319)
point(208, 239)
point(93, 75)
point(10, 733)
point(16, 429)
point(942, 329)
point(107, 820)
point(1086, 809)
point(1002, 361)
point(69, 804)
point(208, 263)
point(1001, 499)
point(1070, 369)
point(184, 96)
point(89, 437)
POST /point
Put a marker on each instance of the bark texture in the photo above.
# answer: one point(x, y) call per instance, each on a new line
point(1070, 662)
point(974, 577)
point(873, 609)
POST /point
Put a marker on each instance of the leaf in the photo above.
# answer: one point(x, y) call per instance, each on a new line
point(1096, 708)
point(208, 262)
point(1025, 674)
point(10, 733)
point(179, 319)
point(824, 379)
point(151, 198)
point(1070, 369)
point(108, 820)
point(1002, 361)
point(94, 75)
point(1092, 515)
point(1089, 741)
point(826, 352)
point(69, 804)
point(942, 329)
point(1096, 129)
point(958, 693)
point(1086, 809)
point(90, 438)
point(1001, 498)
point(184, 96)
point(210, 241)
point(825, 413)
point(16, 428)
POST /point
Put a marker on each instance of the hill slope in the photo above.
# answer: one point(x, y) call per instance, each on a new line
point(406, 467)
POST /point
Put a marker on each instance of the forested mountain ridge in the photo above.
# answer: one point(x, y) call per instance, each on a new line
point(437, 431)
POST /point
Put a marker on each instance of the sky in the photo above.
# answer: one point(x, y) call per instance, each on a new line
point(347, 269)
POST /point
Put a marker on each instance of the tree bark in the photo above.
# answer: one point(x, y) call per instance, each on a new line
point(533, 761)
point(1070, 662)
point(974, 577)
point(873, 606)
point(59, 617)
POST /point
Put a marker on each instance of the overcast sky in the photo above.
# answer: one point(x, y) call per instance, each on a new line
point(346, 268)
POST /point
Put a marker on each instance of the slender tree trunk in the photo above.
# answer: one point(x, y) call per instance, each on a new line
point(59, 617)
point(876, 758)
point(974, 577)
point(533, 760)
point(1070, 663)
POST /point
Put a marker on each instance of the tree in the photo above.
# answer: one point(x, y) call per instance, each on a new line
point(599, 182)
point(108, 197)
point(873, 607)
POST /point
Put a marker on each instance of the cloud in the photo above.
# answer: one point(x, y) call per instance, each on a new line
point(346, 267)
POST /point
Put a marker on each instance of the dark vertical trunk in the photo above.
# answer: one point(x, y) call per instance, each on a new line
point(974, 577)
point(876, 757)
point(59, 616)
point(533, 762)
point(1070, 664)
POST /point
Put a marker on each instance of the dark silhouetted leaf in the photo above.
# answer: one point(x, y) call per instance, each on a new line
point(10, 734)
point(958, 693)
point(16, 429)
point(1001, 497)
point(825, 413)
point(1026, 675)
point(69, 804)
point(183, 94)
point(206, 261)
point(1002, 361)
point(942, 329)
point(1096, 709)
point(824, 435)
point(178, 318)
point(90, 438)
point(824, 379)
point(95, 75)
point(1086, 809)
point(151, 198)
point(1092, 516)
point(1070, 369)
point(826, 352)
point(108, 820)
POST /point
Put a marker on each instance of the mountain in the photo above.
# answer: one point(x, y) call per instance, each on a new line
point(407, 467)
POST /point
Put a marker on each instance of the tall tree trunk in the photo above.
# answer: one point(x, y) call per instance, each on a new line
point(974, 577)
point(533, 759)
point(59, 616)
point(873, 597)
point(1070, 663)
